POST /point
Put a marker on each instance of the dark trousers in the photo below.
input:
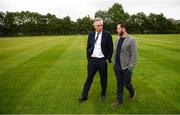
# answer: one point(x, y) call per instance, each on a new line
point(123, 79)
point(94, 65)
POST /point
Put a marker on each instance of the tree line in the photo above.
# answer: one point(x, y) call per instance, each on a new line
point(32, 23)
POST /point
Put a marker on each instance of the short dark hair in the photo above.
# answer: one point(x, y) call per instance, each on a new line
point(124, 25)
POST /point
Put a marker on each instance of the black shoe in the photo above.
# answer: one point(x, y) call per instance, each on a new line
point(102, 98)
point(82, 98)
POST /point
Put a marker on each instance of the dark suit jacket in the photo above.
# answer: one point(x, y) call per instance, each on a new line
point(106, 45)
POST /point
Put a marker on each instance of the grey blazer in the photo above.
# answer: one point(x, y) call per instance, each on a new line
point(128, 56)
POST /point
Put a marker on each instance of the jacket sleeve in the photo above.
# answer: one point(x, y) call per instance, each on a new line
point(110, 48)
point(88, 45)
point(133, 53)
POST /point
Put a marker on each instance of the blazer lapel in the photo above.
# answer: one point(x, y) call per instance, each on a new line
point(124, 42)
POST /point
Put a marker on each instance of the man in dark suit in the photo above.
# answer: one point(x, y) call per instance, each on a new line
point(99, 52)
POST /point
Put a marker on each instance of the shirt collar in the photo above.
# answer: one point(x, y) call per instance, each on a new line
point(99, 33)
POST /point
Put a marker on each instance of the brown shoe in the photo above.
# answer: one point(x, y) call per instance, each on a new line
point(116, 103)
point(131, 98)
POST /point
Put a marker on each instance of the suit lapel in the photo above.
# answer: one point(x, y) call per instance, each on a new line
point(124, 42)
point(102, 36)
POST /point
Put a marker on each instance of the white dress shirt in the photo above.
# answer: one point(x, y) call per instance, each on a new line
point(97, 52)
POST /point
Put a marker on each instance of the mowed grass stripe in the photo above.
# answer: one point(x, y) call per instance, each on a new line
point(20, 57)
point(7, 52)
point(49, 82)
point(165, 38)
point(161, 72)
point(172, 54)
point(155, 85)
point(11, 42)
point(167, 59)
point(20, 80)
point(59, 93)
point(173, 47)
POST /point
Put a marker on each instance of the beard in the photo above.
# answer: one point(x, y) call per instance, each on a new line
point(121, 33)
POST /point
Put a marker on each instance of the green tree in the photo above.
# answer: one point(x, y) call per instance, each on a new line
point(2, 26)
point(138, 23)
point(85, 25)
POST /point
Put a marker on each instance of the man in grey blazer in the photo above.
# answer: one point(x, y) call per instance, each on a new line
point(125, 58)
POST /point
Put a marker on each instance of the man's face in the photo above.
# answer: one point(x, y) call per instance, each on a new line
point(120, 30)
point(98, 26)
